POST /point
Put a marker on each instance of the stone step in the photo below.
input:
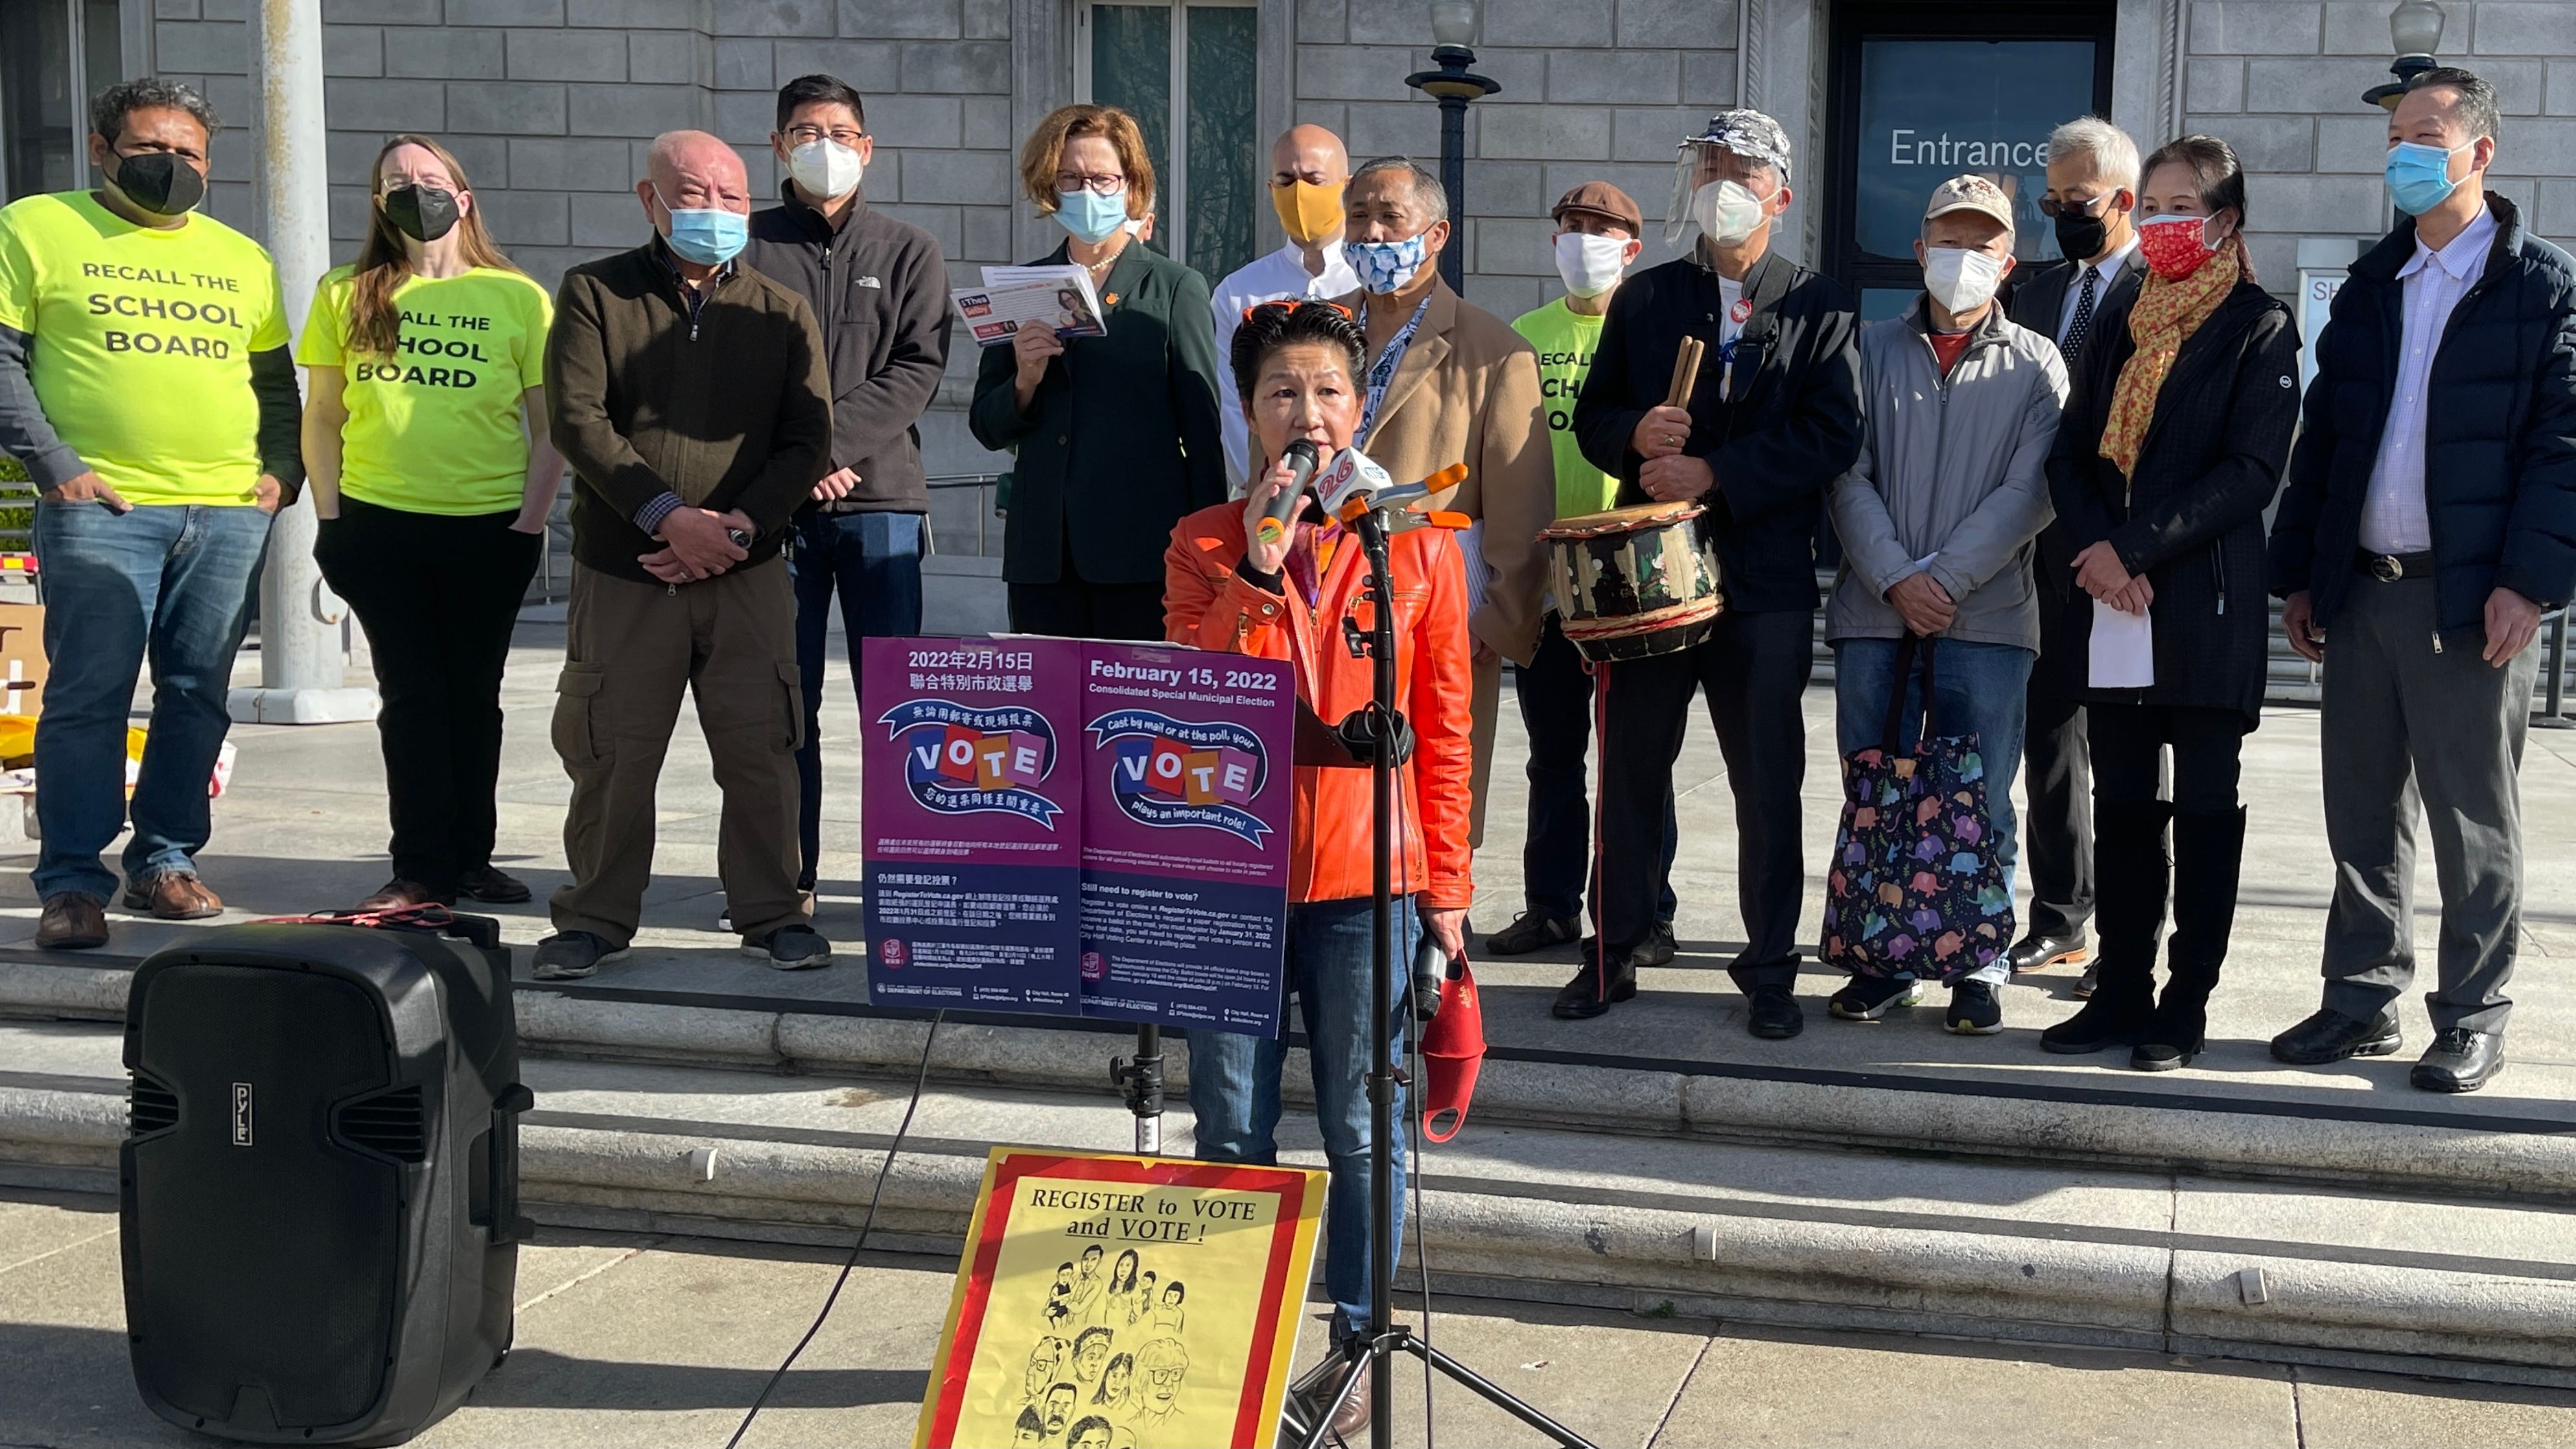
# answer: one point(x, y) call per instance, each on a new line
point(1674, 1064)
point(1810, 1237)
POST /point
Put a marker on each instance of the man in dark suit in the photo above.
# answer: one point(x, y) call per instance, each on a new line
point(2092, 193)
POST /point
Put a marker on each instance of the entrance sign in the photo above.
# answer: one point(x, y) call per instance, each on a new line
point(1109, 1301)
point(1077, 827)
point(1931, 109)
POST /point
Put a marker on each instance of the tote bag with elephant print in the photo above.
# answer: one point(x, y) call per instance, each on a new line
point(1916, 887)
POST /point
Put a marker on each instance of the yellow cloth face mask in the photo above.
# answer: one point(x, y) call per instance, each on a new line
point(1307, 211)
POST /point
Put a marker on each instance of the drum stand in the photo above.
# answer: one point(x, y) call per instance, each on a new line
point(1329, 1384)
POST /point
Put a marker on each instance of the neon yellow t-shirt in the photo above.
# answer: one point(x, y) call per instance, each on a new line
point(143, 342)
point(1565, 341)
point(435, 428)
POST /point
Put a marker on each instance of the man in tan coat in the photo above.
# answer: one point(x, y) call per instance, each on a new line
point(1450, 383)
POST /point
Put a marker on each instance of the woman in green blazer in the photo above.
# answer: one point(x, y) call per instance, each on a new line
point(1117, 435)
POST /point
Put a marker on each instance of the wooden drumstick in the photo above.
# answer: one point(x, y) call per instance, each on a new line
point(1685, 372)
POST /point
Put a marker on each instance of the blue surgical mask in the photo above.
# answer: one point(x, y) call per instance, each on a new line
point(2419, 176)
point(1384, 267)
point(708, 236)
point(1090, 217)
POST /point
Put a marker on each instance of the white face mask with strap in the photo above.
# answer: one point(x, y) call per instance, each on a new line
point(1959, 279)
point(1728, 212)
point(1590, 265)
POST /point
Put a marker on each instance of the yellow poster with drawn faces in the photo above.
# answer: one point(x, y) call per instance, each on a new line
point(1124, 1303)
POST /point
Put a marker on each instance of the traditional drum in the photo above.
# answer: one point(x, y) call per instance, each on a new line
point(1633, 582)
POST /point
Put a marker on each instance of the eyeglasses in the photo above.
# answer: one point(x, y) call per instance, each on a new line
point(2051, 207)
point(1291, 304)
point(1165, 1375)
point(808, 135)
point(1096, 185)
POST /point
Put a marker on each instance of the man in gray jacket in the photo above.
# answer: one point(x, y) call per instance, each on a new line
point(1937, 519)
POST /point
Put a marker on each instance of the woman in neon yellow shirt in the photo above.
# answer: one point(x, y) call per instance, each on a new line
point(425, 439)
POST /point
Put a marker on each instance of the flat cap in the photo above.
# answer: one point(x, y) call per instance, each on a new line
point(1601, 199)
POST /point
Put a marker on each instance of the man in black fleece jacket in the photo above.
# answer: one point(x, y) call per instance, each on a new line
point(879, 290)
point(1774, 419)
point(690, 398)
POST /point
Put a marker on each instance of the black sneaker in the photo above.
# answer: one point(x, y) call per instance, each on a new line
point(1657, 949)
point(572, 955)
point(1771, 1013)
point(2330, 1036)
point(792, 948)
point(2459, 1060)
point(1975, 1010)
point(1532, 932)
point(1868, 998)
point(489, 883)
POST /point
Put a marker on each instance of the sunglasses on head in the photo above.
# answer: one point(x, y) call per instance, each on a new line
point(1291, 304)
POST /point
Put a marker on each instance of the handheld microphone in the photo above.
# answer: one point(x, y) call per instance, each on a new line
point(1300, 458)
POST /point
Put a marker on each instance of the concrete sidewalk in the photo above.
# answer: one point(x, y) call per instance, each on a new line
point(654, 1340)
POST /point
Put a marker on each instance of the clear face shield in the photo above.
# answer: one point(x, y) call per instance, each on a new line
point(1722, 192)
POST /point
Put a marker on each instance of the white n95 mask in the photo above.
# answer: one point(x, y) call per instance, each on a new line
point(1959, 279)
point(825, 167)
point(1727, 212)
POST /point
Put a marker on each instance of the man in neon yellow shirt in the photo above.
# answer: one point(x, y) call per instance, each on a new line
point(145, 384)
point(1596, 242)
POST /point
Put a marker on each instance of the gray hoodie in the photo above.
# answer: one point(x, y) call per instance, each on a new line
point(1952, 470)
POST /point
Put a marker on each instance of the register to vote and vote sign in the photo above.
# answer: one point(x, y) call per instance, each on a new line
point(1109, 1301)
point(1079, 827)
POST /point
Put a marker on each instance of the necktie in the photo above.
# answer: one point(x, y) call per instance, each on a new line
point(2083, 322)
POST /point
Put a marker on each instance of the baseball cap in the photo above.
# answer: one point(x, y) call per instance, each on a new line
point(1749, 134)
point(1601, 199)
point(1970, 193)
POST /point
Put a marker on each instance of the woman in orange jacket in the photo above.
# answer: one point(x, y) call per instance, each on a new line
point(1298, 365)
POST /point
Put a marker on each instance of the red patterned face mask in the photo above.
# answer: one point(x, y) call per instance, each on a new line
point(2175, 246)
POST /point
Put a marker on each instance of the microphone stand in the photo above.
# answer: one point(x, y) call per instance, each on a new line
point(1331, 1383)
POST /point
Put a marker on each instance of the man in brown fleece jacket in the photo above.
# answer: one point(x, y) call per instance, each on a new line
point(692, 399)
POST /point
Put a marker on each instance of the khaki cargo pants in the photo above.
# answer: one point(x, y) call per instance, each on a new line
point(630, 651)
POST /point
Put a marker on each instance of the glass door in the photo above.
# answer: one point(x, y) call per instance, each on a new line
point(1926, 92)
point(1184, 70)
point(54, 55)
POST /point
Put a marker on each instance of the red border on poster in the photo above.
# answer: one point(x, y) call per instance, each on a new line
point(1259, 1404)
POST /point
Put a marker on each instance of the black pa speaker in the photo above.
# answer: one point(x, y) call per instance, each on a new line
point(320, 1211)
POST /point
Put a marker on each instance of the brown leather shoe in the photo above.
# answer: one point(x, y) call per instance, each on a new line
point(399, 894)
point(71, 922)
point(1351, 1425)
point(174, 895)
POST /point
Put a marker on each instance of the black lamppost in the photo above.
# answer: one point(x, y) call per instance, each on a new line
point(2416, 28)
point(1454, 27)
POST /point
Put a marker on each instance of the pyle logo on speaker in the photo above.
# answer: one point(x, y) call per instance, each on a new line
point(241, 1114)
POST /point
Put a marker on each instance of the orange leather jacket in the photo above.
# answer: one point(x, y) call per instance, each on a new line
point(1207, 604)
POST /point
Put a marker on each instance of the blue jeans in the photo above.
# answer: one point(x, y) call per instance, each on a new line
point(1978, 689)
point(1234, 1084)
point(171, 582)
point(875, 561)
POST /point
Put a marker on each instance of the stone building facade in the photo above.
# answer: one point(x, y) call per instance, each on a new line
point(549, 102)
